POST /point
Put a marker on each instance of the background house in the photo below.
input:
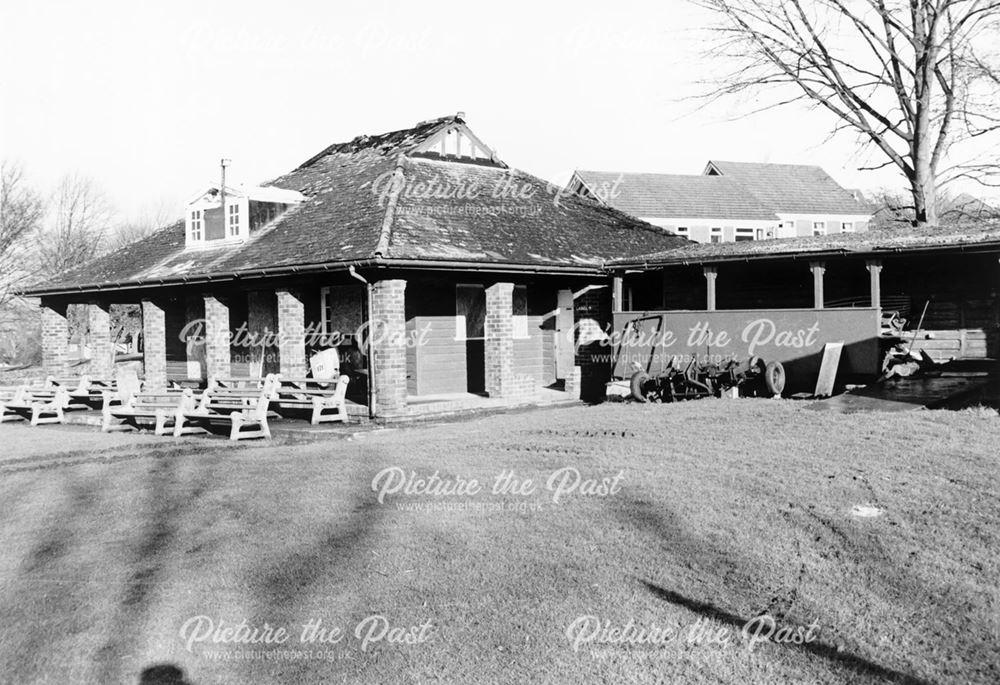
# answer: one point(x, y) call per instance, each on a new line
point(732, 201)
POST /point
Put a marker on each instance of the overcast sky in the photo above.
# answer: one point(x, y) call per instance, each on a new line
point(146, 98)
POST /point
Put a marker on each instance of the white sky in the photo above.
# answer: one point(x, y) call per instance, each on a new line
point(145, 98)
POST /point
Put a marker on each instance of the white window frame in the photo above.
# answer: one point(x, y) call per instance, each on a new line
point(819, 228)
point(716, 231)
point(847, 227)
point(751, 233)
point(683, 231)
point(197, 234)
point(233, 227)
point(759, 234)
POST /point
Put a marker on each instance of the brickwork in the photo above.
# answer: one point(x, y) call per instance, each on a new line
point(388, 330)
point(55, 340)
point(499, 330)
point(102, 359)
point(154, 342)
point(292, 334)
point(218, 358)
point(591, 316)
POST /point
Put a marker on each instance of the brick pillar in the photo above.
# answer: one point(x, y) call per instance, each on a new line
point(591, 316)
point(55, 340)
point(154, 345)
point(387, 326)
point(291, 334)
point(499, 331)
point(102, 351)
point(217, 353)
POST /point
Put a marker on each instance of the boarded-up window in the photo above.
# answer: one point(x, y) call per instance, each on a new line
point(341, 309)
point(520, 312)
point(470, 312)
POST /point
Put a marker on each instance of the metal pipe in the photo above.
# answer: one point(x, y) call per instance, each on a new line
point(372, 396)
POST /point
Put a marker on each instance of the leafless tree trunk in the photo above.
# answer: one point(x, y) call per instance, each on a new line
point(910, 77)
point(21, 211)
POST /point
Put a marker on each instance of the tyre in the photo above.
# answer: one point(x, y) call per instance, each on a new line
point(774, 378)
point(637, 386)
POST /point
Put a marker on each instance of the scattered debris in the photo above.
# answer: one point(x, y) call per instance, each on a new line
point(865, 511)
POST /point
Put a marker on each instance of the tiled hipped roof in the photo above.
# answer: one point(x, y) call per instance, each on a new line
point(348, 217)
point(792, 188)
point(733, 191)
point(677, 196)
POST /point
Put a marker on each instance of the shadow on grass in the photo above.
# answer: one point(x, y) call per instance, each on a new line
point(163, 674)
point(858, 664)
point(730, 569)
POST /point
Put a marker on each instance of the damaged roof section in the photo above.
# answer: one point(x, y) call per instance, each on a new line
point(433, 192)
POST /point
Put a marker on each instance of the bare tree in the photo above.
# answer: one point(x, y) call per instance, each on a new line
point(76, 231)
point(140, 226)
point(911, 77)
point(21, 211)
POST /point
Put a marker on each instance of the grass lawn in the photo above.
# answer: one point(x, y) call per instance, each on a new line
point(114, 546)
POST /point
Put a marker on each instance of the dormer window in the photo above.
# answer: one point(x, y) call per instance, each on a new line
point(196, 225)
point(233, 221)
point(246, 211)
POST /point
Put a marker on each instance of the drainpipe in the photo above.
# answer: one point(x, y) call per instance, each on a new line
point(372, 396)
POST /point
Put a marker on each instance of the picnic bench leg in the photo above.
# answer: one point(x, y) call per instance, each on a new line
point(161, 422)
point(36, 410)
point(236, 420)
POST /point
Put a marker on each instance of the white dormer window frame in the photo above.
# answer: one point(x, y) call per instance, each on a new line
point(233, 218)
point(235, 215)
point(196, 225)
point(235, 221)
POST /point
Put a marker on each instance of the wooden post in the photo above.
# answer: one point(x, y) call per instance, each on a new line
point(875, 275)
point(818, 269)
point(711, 273)
point(617, 291)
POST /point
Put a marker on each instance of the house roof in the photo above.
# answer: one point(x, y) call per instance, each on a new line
point(955, 237)
point(368, 201)
point(790, 188)
point(676, 195)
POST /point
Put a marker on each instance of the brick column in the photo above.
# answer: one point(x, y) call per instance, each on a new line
point(387, 326)
point(291, 334)
point(55, 339)
point(591, 316)
point(154, 345)
point(499, 345)
point(217, 352)
point(102, 351)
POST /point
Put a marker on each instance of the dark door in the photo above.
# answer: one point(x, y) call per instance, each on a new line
point(470, 312)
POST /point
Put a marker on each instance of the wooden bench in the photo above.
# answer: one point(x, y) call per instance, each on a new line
point(161, 407)
point(328, 405)
point(42, 405)
point(245, 410)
